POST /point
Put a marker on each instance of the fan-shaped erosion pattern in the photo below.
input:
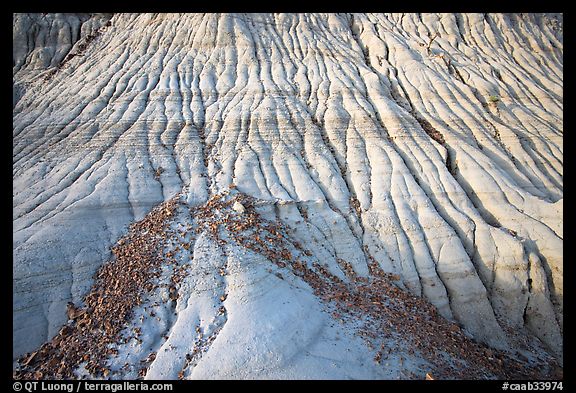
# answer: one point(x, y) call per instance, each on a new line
point(287, 195)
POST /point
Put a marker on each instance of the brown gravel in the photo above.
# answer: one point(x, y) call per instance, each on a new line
point(392, 314)
point(119, 287)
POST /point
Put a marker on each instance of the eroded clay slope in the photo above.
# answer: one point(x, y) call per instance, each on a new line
point(429, 145)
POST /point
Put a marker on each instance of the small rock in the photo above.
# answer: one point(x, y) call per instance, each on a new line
point(238, 207)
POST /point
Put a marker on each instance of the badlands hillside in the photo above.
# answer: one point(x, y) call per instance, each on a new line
point(293, 196)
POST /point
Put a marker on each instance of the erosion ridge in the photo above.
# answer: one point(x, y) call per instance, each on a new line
point(423, 147)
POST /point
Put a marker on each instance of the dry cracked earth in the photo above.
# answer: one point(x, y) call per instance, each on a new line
point(288, 196)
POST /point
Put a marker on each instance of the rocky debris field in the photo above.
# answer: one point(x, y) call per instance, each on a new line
point(389, 314)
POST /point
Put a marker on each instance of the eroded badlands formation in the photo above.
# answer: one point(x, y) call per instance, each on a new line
point(287, 196)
